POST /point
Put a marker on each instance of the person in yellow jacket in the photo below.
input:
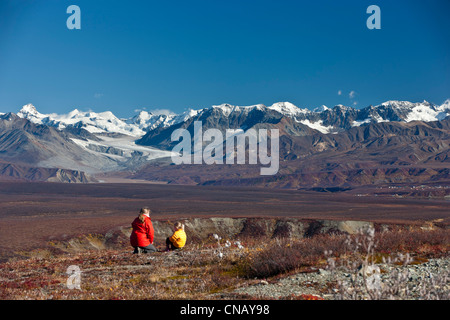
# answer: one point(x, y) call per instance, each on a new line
point(178, 239)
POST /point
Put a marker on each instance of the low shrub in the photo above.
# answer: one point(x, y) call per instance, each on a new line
point(284, 255)
point(428, 243)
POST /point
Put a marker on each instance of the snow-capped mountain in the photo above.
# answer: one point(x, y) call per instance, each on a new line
point(147, 121)
point(99, 142)
point(105, 122)
point(322, 119)
point(284, 108)
point(333, 120)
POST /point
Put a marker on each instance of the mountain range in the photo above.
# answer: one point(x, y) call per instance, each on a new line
point(322, 119)
point(396, 141)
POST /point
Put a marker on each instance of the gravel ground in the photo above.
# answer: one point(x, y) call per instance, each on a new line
point(429, 280)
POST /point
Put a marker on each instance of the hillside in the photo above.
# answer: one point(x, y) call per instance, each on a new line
point(16, 172)
point(238, 267)
point(373, 154)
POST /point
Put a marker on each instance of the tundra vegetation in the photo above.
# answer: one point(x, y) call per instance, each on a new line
point(216, 267)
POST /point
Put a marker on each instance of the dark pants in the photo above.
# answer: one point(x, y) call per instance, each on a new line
point(170, 245)
point(148, 249)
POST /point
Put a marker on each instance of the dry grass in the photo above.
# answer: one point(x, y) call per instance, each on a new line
point(197, 272)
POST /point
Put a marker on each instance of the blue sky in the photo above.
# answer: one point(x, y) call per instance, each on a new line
point(175, 55)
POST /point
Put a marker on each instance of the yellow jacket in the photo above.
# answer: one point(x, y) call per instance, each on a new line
point(178, 238)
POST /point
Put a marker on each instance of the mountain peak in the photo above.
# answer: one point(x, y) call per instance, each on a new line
point(322, 108)
point(342, 107)
point(404, 104)
point(28, 108)
point(287, 108)
point(445, 106)
point(144, 113)
point(73, 113)
point(227, 109)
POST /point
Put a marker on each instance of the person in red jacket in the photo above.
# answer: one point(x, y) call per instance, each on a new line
point(142, 236)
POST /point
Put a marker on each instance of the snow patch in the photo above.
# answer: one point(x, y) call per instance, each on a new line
point(423, 112)
point(320, 109)
point(358, 123)
point(318, 126)
point(227, 109)
point(288, 109)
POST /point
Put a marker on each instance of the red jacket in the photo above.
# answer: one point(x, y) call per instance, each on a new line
point(143, 233)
